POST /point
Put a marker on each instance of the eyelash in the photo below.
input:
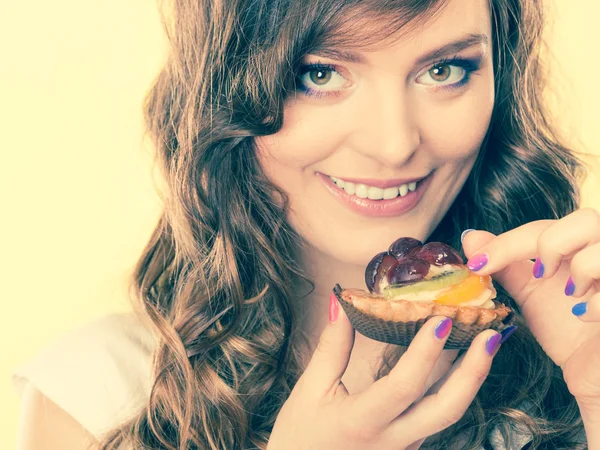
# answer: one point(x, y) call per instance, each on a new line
point(309, 68)
point(468, 65)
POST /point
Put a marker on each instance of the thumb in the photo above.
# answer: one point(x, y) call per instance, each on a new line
point(330, 358)
point(513, 276)
point(473, 240)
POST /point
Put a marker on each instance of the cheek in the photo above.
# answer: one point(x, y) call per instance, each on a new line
point(308, 136)
point(455, 131)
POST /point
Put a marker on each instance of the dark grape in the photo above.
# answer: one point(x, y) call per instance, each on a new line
point(439, 254)
point(401, 247)
point(409, 270)
point(377, 269)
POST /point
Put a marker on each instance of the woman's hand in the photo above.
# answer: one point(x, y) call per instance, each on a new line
point(558, 294)
point(320, 413)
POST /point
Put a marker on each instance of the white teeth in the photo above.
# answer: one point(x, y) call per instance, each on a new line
point(372, 192)
point(390, 193)
point(349, 187)
point(375, 193)
point(361, 191)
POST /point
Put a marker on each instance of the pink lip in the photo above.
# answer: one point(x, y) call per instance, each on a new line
point(378, 208)
point(381, 183)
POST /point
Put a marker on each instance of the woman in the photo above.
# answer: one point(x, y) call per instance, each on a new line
point(300, 138)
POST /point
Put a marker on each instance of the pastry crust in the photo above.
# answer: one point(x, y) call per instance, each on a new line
point(398, 321)
point(410, 311)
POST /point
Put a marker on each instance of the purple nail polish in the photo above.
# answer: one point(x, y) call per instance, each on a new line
point(570, 287)
point(493, 343)
point(443, 328)
point(507, 333)
point(477, 262)
point(538, 268)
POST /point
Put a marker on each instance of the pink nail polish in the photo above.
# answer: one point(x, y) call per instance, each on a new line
point(477, 262)
point(333, 307)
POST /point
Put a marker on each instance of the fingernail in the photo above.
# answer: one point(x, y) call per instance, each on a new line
point(580, 309)
point(333, 307)
point(443, 328)
point(477, 262)
point(570, 287)
point(464, 233)
point(538, 268)
point(493, 343)
point(507, 333)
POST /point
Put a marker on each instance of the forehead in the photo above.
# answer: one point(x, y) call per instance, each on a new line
point(368, 30)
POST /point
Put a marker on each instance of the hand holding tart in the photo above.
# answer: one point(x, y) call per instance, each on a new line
point(411, 282)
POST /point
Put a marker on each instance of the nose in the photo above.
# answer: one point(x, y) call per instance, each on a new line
point(387, 129)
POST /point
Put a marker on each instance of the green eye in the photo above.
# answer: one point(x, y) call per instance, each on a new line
point(440, 73)
point(444, 74)
point(320, 77)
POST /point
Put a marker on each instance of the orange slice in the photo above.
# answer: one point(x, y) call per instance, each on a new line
point(467, 290)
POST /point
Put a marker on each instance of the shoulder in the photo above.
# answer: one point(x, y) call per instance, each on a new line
point(98, 373)
point(44, 425)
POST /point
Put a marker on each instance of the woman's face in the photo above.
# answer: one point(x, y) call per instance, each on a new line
point(414, 111)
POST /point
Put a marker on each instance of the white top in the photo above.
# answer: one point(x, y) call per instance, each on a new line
point(100, 374)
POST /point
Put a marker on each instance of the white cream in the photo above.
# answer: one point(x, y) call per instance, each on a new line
point(436, 270)
point(483, 300)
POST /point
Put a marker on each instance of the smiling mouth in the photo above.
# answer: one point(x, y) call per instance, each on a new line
point(361, 190)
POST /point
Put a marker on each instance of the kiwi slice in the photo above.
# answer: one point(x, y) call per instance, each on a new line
point(440, 281)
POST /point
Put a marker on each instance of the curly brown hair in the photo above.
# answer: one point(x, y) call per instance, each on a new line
point(215, 278)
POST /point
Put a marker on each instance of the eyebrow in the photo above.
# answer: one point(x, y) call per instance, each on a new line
point(453, 47)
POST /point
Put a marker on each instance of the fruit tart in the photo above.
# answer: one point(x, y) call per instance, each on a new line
point(411, 282)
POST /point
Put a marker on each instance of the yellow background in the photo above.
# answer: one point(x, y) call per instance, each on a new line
point(77, 197)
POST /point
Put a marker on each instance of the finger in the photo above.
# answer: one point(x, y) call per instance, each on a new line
point(416, 445)
point(438, 411)
point(442, 366)
point(435, 388)
point(585, 269)
point(564, 238)
point(506, 257)
point(488, 253)
point(385, 399)
point(588, 311)
point(440, 369)
point(330, 359)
